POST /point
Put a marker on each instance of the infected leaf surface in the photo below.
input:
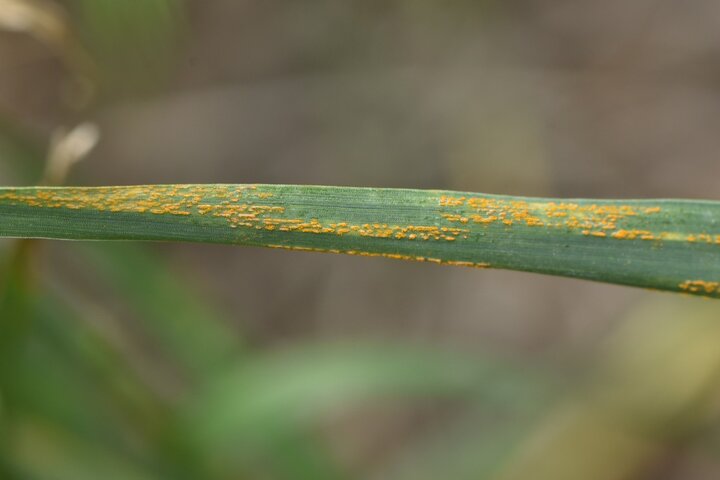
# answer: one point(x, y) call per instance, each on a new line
point(663, 244)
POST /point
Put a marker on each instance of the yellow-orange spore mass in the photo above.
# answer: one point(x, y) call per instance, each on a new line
point(696, 286)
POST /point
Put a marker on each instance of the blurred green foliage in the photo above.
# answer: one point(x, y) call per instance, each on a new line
point(132, 44)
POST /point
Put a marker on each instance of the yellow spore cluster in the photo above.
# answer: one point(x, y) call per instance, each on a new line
point(395, 256)
point(247, 206)
point(633, 234)
point(697, 286)
point(569, 215)
point(488, 210)
point(704, 238)
point(240, 206)
point(159, 200)
point(236, 204)
point(602, 221)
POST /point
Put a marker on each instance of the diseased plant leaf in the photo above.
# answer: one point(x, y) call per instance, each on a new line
point(662, 244)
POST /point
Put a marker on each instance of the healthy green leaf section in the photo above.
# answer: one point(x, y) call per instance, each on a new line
point(663, 244)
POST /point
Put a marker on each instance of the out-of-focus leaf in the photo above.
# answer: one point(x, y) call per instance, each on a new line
point(257, 405)
point(13, 342)
point(184, 325)
point(89, 390)
point(43, 453)
point(91, 360)
point(15, 319)
point(304, 457)
point(473, 445)
point(64, 377)
point(132, 42)
point(61, 395)
point(22, 154)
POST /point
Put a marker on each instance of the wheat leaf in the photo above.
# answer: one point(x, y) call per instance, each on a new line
point(661, 244)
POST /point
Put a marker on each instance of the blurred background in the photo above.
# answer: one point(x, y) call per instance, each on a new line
point(178, 361)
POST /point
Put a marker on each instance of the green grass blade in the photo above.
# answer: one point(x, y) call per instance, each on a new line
point(662, 244)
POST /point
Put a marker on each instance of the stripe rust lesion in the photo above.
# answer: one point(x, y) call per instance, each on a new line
point(603, 221)
point(700, 286)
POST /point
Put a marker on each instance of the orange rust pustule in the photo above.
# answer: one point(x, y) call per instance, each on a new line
point(246, 206)
point(596, 220)
point(394, 256)
point(567, 215)
point(698, 286)
point(240, 206)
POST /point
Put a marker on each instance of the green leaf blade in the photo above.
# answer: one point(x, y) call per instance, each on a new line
point(662, 244)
